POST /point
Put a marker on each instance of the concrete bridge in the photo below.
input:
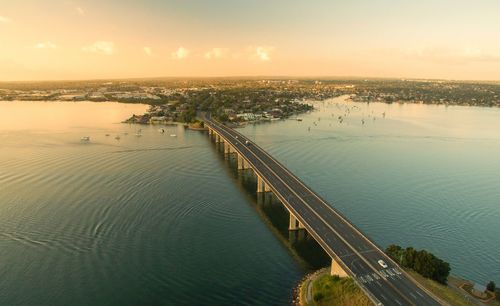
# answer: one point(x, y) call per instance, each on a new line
point(353, 254)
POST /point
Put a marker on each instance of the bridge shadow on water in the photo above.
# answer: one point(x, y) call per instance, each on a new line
point(275, 215)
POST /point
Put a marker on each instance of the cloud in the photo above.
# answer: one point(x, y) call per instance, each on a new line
point(216, 53)
point(181, 53)
point(80, 11)
point(45, 45)
point(4, 19)
point(100, 47)
point(148, 51)
point(262, 53)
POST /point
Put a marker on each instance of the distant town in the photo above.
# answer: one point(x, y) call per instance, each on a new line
point(253, 99)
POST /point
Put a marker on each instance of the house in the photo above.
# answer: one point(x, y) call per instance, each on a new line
point(479, 291)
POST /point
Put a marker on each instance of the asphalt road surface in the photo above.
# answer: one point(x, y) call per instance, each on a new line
point(358, 256)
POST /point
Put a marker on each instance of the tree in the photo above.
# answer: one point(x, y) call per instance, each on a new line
point(223, 117)
point(491, 286)
point(409, 259)
point(422, 262)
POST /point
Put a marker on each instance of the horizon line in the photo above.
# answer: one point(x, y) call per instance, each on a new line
point(247, 77)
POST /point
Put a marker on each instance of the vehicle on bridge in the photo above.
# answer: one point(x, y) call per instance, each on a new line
point(382, 263)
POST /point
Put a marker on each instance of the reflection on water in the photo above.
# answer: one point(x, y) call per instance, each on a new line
point(276, 216)
point(169, 220)
point(137, 221)
point(415, 175)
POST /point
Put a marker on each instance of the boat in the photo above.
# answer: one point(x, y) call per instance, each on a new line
point(117, 137)
point(173, 135)
point(85, 139)
point(107, 135)
point(162, 130)
point(299, 119)
point(138, 134)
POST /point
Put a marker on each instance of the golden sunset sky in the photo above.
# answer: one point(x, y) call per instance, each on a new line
point(58, 39)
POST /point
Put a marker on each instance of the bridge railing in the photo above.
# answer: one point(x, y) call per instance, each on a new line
point(342, 216)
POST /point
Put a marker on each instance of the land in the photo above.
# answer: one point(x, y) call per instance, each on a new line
point(445, 292)
point(320, 288)
point(250, 99)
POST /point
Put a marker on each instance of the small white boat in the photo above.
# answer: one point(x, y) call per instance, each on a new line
point(173, 135)
point(85, 139)
point(138, 134)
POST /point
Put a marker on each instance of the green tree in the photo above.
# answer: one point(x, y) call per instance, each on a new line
point(422, 262)
point(491, 286)
point(410, 255)
point(223, 117)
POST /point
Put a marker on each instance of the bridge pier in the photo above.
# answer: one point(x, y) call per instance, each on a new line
point(228, 149)
point(261, 185)
point(294, 223)
point(337, 269)
point(242, 163)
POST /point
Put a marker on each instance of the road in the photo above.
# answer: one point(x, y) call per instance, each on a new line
point(357, 255)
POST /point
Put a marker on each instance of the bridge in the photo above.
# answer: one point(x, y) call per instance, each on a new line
point(353, 253)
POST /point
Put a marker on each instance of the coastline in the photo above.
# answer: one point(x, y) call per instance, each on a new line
point(303, 291)
point(453, 292)
point(319, 288)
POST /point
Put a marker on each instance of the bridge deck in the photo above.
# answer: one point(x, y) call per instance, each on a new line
point(357, 255)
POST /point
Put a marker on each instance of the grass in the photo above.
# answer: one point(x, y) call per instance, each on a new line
point(332, 290)
point(442, 291)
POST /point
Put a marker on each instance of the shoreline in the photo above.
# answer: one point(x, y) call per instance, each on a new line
point(303, 291)
point(453, 292)
point(348, 99)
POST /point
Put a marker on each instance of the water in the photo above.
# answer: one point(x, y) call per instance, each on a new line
point(168, 220)
point(423, 176)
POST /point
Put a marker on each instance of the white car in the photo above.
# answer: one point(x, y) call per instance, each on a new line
point(382, 263)
point(247, 142)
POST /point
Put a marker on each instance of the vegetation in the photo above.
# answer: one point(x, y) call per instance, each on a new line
point(422, 262)
point(491, 286)
point(442, 291)
point(332, 290)
point(220, 93)
point(497, 293)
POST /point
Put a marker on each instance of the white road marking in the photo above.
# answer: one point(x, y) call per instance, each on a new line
point(413, 296)
point(375, 275)
point(419, 293)
point(397, 301)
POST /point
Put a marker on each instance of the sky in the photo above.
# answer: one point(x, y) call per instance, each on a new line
point(65, 39)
